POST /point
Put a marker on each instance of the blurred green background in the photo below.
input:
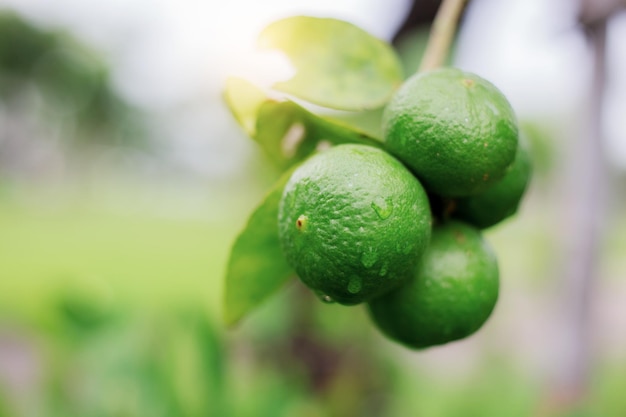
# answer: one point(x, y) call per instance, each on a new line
point(124, 181)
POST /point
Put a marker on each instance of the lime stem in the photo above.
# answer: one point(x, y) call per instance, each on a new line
point(442, 33)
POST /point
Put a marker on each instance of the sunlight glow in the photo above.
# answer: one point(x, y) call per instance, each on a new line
point(170, 50)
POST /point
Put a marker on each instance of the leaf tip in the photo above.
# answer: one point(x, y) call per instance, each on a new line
point(244, 100)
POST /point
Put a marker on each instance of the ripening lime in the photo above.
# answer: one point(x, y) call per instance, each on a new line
point(451, 295)
point(353, 223)
point(455, 130)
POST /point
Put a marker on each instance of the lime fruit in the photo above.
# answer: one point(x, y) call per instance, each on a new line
point(456, 131)
point(501, 200)
point(451, 295)
point(353, 222)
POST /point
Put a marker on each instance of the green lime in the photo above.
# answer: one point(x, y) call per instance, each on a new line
point(451, 295)
point(455, 130)
point(353, 222)
point(501, 200)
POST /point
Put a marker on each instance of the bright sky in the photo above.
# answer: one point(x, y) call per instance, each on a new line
point(168, 52)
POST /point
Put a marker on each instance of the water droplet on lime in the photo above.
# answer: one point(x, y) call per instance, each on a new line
point(355, 285)
point(324, 297)
point(369, 258)
point(383, 207)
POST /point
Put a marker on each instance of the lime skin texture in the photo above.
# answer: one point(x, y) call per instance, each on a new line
point(501, 200)
point(455, 130)
point(353, 223)
point(452, 294)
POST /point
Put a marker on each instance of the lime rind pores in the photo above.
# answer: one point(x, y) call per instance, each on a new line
point(456, 131)
point(452, 294)
point(501, 200)
point(353, 222)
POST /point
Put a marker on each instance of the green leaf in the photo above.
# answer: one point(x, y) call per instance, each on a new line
point(338, 65)
point(287, 132)
point(244, 100)
point(257, 267)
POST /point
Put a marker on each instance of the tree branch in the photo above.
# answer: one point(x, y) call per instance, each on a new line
point(442, 33)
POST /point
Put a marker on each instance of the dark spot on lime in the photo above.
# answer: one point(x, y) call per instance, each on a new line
point(301, 222)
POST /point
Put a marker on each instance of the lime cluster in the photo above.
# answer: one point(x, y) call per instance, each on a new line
point(398, 228)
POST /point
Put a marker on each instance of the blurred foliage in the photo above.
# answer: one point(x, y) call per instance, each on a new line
point(411, 46)
point(72, 80)
point(542, 146)
point(116, 312)
point(177, 362)
point(136, 333)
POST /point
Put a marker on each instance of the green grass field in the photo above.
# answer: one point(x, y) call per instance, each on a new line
point(126, 247)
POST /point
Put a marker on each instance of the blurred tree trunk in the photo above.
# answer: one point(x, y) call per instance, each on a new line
point(585, 212)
